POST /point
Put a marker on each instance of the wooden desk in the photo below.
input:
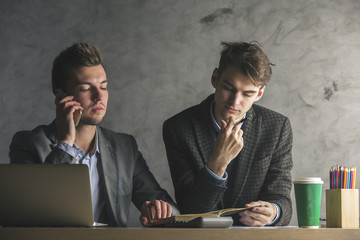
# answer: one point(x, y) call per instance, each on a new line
point(177, 233)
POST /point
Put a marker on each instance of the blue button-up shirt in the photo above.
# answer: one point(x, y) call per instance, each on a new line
point(92, 160)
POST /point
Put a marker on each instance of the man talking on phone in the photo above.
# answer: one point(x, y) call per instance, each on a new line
point(228, 152)
point(118, 172)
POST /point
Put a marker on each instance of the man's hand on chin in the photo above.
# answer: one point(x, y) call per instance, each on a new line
point(261, 213)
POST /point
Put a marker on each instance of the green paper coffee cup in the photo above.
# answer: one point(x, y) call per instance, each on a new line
point(308, 201)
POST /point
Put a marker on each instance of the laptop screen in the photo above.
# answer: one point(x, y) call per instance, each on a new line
point(45, 195)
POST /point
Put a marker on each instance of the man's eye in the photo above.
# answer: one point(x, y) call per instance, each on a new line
point(227, 88)
point(84, 90)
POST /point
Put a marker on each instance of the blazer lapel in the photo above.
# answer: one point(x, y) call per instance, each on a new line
point(110, 175)
point(51, 132)
point(251, 128)
point(205, 133)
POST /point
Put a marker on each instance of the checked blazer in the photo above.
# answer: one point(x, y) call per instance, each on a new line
point(261, 171)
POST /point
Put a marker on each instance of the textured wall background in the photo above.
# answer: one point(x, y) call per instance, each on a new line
point(160, 56)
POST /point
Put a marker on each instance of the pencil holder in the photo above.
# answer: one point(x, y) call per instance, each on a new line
point(342, 208)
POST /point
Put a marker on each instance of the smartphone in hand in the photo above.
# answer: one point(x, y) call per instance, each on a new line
point(60, 94)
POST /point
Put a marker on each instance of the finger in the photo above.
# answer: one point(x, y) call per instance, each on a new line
point(157, 209)
point(237, 129)
point(223, 124)
point(144, 221)
point(69, 107)
point(65, 99)
point(253, 204)
point(261, 204)
point(70, 104)
point(230, 124)
point(248, 221)
point(71, 112)
point(257, 216)
point(72, 109)
point(267, 209)
point(242, 213)
point(169, 210)
point(250, 218)
point(240, 133)
point(153, 211)
point(66, 102)
point(144, 213)
point(163, 209)
point(148, 213)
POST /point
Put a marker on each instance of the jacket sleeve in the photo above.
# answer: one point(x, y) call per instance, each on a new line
point(29, 147)
point(145, 186)
point(193, 191)
point(277, 184)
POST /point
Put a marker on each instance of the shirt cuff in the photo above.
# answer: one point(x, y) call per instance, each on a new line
point(175, 210)
point(67, 148)
point(278, 212)
point(212, 177)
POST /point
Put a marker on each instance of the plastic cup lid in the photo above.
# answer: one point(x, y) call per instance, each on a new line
point(308, 180)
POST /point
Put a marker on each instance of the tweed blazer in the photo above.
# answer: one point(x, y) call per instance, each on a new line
point(261, 171)
point(126, 176)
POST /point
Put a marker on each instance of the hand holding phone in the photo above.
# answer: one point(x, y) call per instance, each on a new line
point(60, 94)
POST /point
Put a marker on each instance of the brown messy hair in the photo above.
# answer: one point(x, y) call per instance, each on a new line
point(249, 59)
point(80, 54)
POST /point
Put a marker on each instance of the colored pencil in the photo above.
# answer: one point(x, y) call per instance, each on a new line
point(345, 178)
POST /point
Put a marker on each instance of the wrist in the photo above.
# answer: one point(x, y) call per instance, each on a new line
point(274, 211)
point(218, 169)
point(69, 142)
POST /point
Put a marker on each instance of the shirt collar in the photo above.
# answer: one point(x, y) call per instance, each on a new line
point(95, 148)
point(213, 120)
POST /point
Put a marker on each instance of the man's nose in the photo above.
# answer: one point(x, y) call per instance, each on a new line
point(236, 98)
point(97, 95)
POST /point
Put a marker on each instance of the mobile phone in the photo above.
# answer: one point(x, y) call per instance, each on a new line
point(60, 94)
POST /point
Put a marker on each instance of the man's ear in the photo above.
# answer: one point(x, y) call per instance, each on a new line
point(215, 77)
point(260, 93)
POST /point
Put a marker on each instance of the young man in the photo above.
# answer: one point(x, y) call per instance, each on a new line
point(229, 152)
point(118, 172)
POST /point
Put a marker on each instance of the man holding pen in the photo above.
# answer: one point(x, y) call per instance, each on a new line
point(229, 152)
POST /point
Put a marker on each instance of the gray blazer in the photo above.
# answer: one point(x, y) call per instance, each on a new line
point(126, 175)
point(261, 171)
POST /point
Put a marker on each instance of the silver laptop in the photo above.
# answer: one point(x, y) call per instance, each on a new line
point(45, 195)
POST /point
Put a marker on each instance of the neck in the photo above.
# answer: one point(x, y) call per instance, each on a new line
point(85, 137)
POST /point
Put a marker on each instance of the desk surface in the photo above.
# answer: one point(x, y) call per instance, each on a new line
point(177, 233)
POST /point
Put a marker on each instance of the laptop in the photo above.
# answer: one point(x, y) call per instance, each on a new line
point(45, 195)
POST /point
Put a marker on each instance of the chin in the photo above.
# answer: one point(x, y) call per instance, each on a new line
point(233, 115)
point(90, 121)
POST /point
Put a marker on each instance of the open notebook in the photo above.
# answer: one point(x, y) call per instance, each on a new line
point(45, 195)
point(215, 219)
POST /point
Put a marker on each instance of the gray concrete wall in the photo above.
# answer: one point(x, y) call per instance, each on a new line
point(160, 55)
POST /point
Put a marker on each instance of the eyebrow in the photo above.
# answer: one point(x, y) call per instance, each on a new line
point(247, 91)
point(89, 83)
